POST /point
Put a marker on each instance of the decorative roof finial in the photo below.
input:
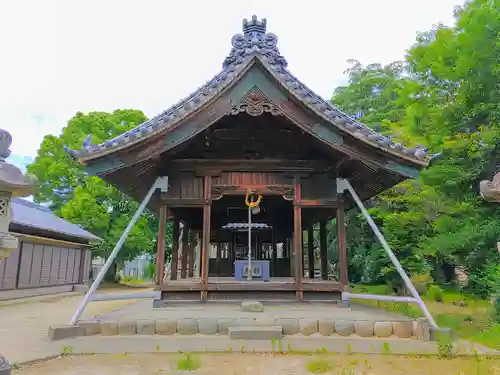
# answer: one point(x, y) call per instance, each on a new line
point(254, 26)
point(5, 142)
point(255, 40)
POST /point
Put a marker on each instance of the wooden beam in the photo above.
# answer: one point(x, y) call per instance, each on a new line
point(160, 245)
point(174, 265)
point(185, 249)
point(201, 165)
point(344, 276)
point(297, 231)
point(207, 192)
point(317, 203)
point(310, 251)
point(323, 249)
point(181, 202)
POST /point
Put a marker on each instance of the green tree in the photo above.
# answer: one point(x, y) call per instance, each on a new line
point(445, 95)
point(87, 200)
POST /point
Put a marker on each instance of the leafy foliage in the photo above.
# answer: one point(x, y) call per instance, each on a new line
point(446, 95)
point(86, 200)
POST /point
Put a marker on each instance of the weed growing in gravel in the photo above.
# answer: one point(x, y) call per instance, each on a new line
point(187, 363)
point(16, 366)
point(67, 350)
point(347, 371)
point(444, 346)
point(387, 348)
point(318, 366)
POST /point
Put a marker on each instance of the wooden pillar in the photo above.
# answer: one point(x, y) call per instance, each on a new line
point(323, 249)
point(207, 192)
point(297, 236)
point(310, 251)
point(185, 249)
point(174, 265)
point(344, 277)
point(191, 260)
point(160, 245)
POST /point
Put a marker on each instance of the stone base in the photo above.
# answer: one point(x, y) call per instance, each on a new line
point(255, 333)
point(65, 332)
point(403, 329)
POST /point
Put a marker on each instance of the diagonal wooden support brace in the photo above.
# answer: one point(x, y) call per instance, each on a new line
point(160, 183)
point(342, 186)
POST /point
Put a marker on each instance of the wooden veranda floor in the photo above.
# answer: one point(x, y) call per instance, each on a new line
point(230, 284)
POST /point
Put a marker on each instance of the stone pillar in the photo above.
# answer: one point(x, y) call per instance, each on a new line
point(12, 184)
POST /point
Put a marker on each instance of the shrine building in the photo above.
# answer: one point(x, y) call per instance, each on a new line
point(253, 130)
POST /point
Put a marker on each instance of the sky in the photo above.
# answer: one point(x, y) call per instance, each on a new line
point(64, 56)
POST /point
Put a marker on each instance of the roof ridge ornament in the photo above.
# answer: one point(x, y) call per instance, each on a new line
point(255, 40)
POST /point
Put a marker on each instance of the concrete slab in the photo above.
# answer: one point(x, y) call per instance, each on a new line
point(144, 310)
point(255, 333)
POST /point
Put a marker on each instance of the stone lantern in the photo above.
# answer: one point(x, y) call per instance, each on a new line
point(12, 184)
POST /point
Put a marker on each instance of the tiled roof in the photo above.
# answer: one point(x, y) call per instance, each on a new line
point(254, 43)
point(32, 215)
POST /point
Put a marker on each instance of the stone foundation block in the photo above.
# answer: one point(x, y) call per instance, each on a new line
point(208, 326)
point(344, 327)
point(444, 334)
point(252, 306)
point(290, 326)
point(146, 327)
point(265, 322)
point(363, 328)
point(187, 326)
point(403, 329)
point(326, 327)
point(382, 329)
point(65, 332)
point(92, 327)
point(244, 322)
point(255, 333)
point(308, 326)
point(165, 326)
point(109, 328)
point(126, 327)
point(421, 329)
point(224, 324)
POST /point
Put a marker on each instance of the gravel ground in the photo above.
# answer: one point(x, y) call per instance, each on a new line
point(253, 364)
point(24, 323)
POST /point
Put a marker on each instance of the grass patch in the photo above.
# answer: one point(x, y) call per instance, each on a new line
point(469, 317)
point(319, 366)
point(187, 363)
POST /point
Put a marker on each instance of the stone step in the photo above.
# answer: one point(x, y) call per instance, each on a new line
point(255, 333)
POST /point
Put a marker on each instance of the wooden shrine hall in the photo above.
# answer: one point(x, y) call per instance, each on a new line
point(253, 129)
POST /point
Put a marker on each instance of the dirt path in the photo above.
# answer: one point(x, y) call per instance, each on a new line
point(237, 364)
point(24, 324)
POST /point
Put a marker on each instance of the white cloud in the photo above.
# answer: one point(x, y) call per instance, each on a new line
point(67, 56)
